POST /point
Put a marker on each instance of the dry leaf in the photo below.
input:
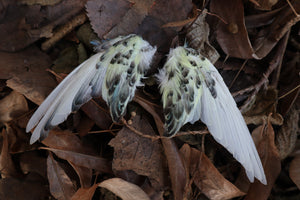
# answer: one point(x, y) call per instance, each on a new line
point(12, 106)
point(26, 73)
point(139, 154)
point(124, 189)
point(197, 38)
point(264, 4)
point(233, 36)
point(287, 135)
point(294, 170)
point(264, 104)
point(61, 186)
point(263, 137)
point(8, 168)
point(31, 187)
point(85, 193)
point(85, 175)
point(30, 23)
point(206, 177)
point(40, 2)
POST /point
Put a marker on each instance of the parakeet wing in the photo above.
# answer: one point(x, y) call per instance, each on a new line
point(113, 73)
point(212, 103)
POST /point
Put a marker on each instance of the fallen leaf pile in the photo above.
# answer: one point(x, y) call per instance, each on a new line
point(254, 44)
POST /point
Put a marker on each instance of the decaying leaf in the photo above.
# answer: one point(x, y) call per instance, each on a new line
point(206, 177)
point(124, 189)
point(67, 146)
point(12, 106)
point(26, 73)
point(265, 103)
point(61, 186)
point(264, 4)
point(287, 135)
point(30, 23)
point(197, 38)
point(264, 139)
point(141, 155)
point(294, 170)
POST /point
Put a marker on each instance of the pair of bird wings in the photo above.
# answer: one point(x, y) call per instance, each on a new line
point(190, 85)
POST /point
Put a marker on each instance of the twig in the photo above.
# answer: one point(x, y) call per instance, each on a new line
point(292, 7)
point(236, 76)
point(64, 30)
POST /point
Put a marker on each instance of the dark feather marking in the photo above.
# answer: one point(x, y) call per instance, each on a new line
point(132, 65)
point(185, 73)
point(113, 61)
point(198, 82)
point(132, 81)
point(177, 111)
point(102, 57)
point(193, 63)
point(202, 58)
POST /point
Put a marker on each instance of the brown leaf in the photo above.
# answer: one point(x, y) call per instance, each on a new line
point(40, 2)
point(175, 164)
point(26, 73)
point(206, 177)
point(264, 104)
point(7, 166)
point(264, 4)
point(287, 135)
point(98, 113)
point(263, 137)
point(61, 186)
point(85, 193)
point(30, 23)
point(294, 170)
point(124, 189)
point(85, 175)
point(233, 36)
point(268, 37)
point(32, 161)
point(83, 160)
point(197, 37)
point(12, 106)
point(29, 188)
point(139, 154)
point(106, 14)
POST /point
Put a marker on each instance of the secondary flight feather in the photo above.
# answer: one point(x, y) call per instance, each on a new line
point(193, 89)
point(113, 73)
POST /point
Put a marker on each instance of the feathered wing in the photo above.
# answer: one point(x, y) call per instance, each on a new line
point(113, 73)
point(215, 107)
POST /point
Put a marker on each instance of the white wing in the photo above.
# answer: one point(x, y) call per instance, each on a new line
point(211, 102)
point(227, 126)
point(113, 73)
point(60, 103)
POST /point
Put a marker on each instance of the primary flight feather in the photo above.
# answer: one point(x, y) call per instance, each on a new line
point(113, 73)
point(193, 89)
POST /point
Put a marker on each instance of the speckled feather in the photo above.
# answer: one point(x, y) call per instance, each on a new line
point(193, 89)
point(113, 73)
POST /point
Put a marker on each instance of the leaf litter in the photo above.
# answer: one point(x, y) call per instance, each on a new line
point(258, 44)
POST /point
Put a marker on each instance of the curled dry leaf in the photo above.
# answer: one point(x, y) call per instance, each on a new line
point(85, 193)
point(12, 106)
point(124, 189)
point(61, 186)
point(197, 38)
point(206, 177)
point(141, 155)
